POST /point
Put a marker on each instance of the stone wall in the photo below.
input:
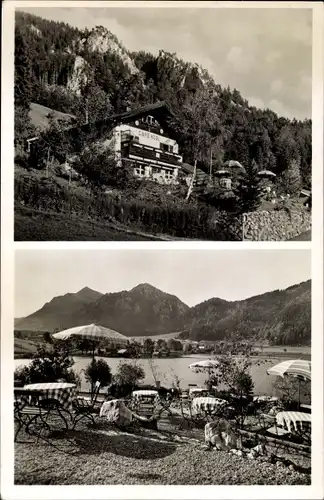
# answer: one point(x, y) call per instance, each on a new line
point(277, 225)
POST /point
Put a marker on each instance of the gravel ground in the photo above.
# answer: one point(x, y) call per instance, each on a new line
point(106, 456)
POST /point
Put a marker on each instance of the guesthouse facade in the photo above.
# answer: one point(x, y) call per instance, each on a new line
point(140, 140)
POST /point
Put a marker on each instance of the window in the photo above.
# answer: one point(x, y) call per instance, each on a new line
point(166, 147)
point(139, 170)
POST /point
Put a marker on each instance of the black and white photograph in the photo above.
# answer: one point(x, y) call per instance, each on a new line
point(149, 123)
point(131, 370)
point(161, 267)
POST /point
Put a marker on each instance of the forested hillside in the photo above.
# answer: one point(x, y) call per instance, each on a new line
point(72, 71)
point(280, 317)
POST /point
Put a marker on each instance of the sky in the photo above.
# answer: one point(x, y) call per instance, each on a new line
point(192, 275)
point(265, 53)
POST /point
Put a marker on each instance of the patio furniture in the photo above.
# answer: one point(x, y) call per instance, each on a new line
point(145, 401)
point(56, 398)
point(296, 422)
point(85, 408)
point(207, 405)
point(93, 398)
point(197, 392)
point(27, 412)
point(270, 426)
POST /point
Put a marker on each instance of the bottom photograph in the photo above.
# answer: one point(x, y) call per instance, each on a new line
point(162, 367)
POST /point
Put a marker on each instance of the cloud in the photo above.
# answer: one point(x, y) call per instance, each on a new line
point(250, 49)
point(276, 86)
point(256, 101)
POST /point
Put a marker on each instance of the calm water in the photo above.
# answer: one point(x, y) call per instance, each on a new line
point(180, 366)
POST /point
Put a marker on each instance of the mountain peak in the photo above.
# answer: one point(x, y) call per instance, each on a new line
point(88, 294)
point(144, 288)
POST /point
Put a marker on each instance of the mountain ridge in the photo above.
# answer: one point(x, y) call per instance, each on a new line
point(281, 315)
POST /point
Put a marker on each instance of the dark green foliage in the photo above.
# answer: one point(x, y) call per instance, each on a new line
point(23, 130)
point(174, 345)
point(23, 80)
point(148, 346)
point(291, 389)
point(48, 338)
point(229, 127)
point(128, 374)
point(98, 370)
point(49, 364)
point(98, 167)
point(280, 317)
point(175, 218)
point(248, 191)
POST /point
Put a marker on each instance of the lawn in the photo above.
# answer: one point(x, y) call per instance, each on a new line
point(105, 455)
point(35, 225)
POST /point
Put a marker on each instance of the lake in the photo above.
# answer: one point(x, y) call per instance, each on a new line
point(180, 366)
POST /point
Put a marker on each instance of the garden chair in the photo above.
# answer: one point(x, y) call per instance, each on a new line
point(85, 408)
point(28, 411)
point(146, 407)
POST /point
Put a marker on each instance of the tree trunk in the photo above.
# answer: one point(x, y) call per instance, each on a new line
point(192, 181)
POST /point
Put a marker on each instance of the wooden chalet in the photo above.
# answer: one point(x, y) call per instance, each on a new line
point(140, 138)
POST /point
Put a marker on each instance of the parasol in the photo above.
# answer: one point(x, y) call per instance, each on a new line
point(266, 173)
point(94, 333)
point(299, 368)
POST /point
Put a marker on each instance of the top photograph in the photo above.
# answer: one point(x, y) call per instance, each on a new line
point(162, 124)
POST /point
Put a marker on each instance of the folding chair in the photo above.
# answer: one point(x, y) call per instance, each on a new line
point(85, 407)
point(27, 411)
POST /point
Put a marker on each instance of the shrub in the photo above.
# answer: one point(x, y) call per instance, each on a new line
point(128, 374)
point(98, 371)
point(49, 364)
point(170, 217)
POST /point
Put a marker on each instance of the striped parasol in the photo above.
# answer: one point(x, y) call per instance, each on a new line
point(234, 164)
point(294, 367)
point(94, 333)
point(299, 368)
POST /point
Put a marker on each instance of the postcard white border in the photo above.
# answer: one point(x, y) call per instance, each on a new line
point(11, 491)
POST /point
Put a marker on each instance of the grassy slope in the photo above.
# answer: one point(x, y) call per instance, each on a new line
point(33, 225)
point(109, 456)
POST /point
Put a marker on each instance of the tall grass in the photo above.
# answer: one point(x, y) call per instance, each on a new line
point(178, 220)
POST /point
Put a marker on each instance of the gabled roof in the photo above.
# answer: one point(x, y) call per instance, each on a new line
point(160, 108)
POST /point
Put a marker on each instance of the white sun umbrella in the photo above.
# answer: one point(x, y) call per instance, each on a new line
point(295, 367)
point(234, 164)
point(94, 333)
point(206, 365)
point(300, 368)
point(266, 173)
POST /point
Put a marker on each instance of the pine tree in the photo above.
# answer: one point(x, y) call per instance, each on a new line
point(22, 72)
point(248, 191)
point(291, 178)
